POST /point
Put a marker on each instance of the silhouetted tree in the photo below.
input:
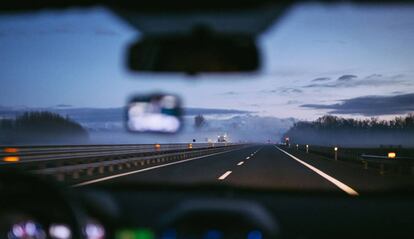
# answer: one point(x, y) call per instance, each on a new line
point(330, 129)
point(199, 121)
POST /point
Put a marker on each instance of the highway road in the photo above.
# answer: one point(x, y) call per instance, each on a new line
point(264, 166)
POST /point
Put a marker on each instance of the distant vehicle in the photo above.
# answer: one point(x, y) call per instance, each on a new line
point(223, 138)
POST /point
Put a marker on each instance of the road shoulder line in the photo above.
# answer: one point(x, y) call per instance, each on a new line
point(331, 179)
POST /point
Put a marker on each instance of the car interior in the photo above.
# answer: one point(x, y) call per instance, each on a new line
point(206, 119)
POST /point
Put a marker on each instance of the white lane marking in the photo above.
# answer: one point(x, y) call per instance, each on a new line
point(222, 177)
point(240, 163)
point(331, 179)
point(247, 157)
point(146, 169)
point(258, 150)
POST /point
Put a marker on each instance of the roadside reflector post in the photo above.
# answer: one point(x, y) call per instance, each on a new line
point(297, 146)
point(60, 177)
point(11, 159)
point(11, 150)
point(336, 153)
point(392, 155)
point(307, 148)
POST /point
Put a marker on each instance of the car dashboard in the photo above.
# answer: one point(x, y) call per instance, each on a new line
point(147, 211)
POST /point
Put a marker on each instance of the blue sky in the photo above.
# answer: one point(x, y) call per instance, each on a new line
point(316, 56)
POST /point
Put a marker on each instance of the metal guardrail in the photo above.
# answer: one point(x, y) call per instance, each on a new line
point(42, 150)
point(72, 165)
point(48, 153)
point(401, 164)
point(76, 173)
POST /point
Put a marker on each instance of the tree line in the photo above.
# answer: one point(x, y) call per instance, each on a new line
point(41, 127)
point(330, 130)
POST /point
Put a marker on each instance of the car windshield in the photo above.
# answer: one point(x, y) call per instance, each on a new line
point(331, 107)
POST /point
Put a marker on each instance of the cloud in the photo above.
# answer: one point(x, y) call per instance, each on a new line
point(397, 76)
point(346, 81)
point(374, 76)
point(254, 105)
point(370, 105)
point(321, 79)
point(291, 90)
point(293, 102)
point(229, 93)
point(211, 111)
point(347, 77)
point(283, 90)
point(63, 106)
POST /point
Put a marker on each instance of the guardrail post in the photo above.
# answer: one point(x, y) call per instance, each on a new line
point(365, 164)
point(89, 171)
point(60, 177)
point(382, 169)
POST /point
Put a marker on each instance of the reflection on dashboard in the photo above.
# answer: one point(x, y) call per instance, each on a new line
point(60, 231)
point(94, 230)
point(16, 226)
point(26, 230)
point(146, 233)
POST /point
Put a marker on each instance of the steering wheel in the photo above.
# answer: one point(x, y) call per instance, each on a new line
point(34, 208)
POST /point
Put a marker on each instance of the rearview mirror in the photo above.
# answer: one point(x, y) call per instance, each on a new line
point(194, 54)
point(154, 113)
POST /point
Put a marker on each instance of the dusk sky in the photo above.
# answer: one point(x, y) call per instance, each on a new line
point(350, 61)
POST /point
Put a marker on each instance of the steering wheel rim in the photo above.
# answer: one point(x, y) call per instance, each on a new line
point(19, 190)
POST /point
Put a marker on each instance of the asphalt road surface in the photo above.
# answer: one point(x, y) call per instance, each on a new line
point(267, 166)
